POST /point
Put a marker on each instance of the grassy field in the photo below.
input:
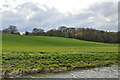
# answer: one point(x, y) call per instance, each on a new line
point(18, 43)
point(37, 54)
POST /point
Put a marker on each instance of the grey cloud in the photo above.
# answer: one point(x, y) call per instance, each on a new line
point(52, 18)
point(28, 5)
point(105, 8)
point(103, 11)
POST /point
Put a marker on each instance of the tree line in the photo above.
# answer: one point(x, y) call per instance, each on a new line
point(88, 34)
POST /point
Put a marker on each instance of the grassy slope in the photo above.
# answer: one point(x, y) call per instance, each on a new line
point(18, 43)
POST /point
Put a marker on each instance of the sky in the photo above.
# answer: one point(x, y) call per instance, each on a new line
point(50, 14)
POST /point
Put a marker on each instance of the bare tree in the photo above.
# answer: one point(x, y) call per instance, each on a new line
point(37, 31)
point(62, 28)
point(11, 30)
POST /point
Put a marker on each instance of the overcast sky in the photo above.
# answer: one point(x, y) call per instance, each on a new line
point(50, 14)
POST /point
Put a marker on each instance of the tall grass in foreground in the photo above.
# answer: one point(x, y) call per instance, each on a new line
point(27, 63)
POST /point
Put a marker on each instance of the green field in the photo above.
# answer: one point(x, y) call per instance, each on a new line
point(38, 54)
point(18, 43)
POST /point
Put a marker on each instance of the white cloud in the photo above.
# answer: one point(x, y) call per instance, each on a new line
point(91, 19)
point(108, 19)
point(64, 6)
point(48, 14)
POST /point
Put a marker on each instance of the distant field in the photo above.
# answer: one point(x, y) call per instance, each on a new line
point(19, 43)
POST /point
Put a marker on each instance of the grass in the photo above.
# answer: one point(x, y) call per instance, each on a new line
point(36, 54)
point(25, 63)
point(18, 43)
